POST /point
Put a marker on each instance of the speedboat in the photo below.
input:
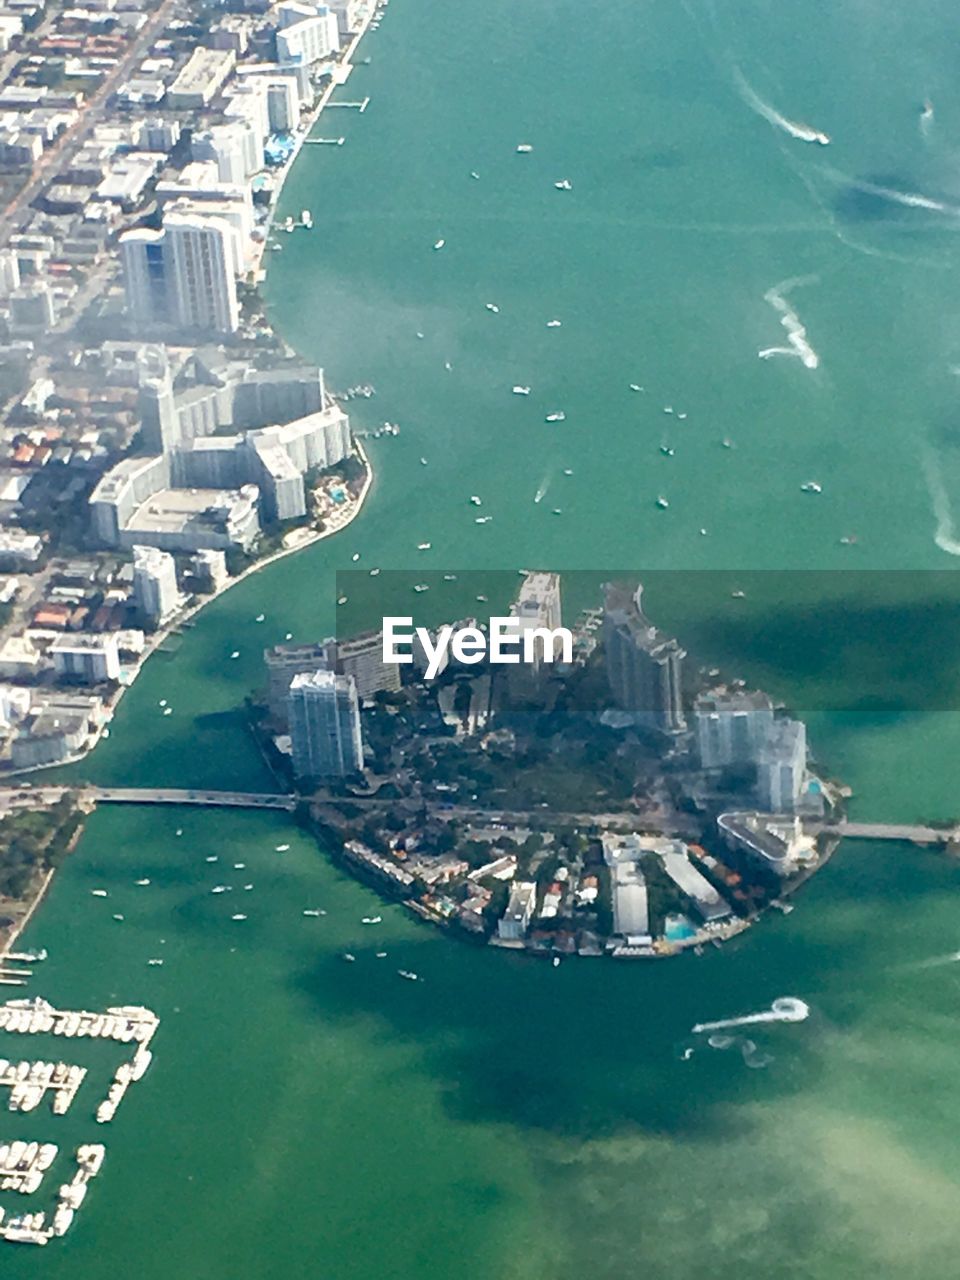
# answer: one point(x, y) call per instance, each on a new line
point(492, 306)
point(99, 893)
point(421, 586)
point(423, 462)
point(439, 244)
point(348, 957)
point(449, 577)
point(282, 848)
point(482, 599)
point(212, 858)
point(168, 711)
point(635, 386)
point(355, 557)
point(554, 324)
point(260, 617)
point(848, 540)
point(235, 654)
point(342, 600)
point(238, 916)
point(564, 185)
point(424, 546)
point(312, 911)
point(372, 920)
point(521, 391)
point(738, 595)
point(568, 471)
point(483, 519)
point(558, 511)
point(668, 408)
point(662, 503)
point(155, 961)
point(811, 486)
point(408, 974)
point(727, 442)
point(474, 174)
point(141, 882)
point(374, 573)
point(667, 451)
point(477, 502)
point(524, 148)
point(220, 888)
point(558, 416)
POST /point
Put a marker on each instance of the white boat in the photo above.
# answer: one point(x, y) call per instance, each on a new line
point(260, 617)
point(558, 416)
point(738, 595)
point(424, 546)
point(211, 857)
point(355, 557)
point(235, 654)
point(554, 324)
point(99, 893)
point(141, 882)
point(423, 462)
point(239, 866)
point(220, 888)
point(482, 519)
point(372, 920)
point(439, 244)
point(312, 911)
point(342, 600)
point(568, 471)
point(811, 486)
point(374, 573)
point(282, 848)
point(557, 511)
point(117, 916)
point(421, 586)
point(727, 442)
point(238, 915)
point(521, 391)
point(492, 306)
point(482, 599)
point(348, 957)
point(524, 148)
point(668, 408)
point(662, 503)
point(474, 174)
point(564, 185)
point(635, 386)
point(682, 416)
point(477, 501)
point(162, 702)
point(155, 961)
point(556, 962)
point(666, 450)
point(168, 711)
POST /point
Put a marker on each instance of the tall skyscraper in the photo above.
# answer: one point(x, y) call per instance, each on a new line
point(185, 274)
point(782, 766)
point(536, 608)
point(362, 657)
point(644, 667)
point(155, 584)
point(202, 261)
point(283, 662)
point(732, 727)
point(325, 725)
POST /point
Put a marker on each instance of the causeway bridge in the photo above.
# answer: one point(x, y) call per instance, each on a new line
point(908, 833)
point(201, 797)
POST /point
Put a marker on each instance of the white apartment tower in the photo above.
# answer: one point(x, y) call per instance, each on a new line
point(325, 725)
point(155, 584)
point(200, 255)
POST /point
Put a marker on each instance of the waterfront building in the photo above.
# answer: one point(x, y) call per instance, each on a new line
point(777, 843)
point(349, 14)
point(185, 274)
point(732, 727)
point(203, 76)
point(90, 659)
point(644, 667)
point(630, 849)
point(512, 925)
point(50, 739)
point(155, 584)
point(201, 275)
point(121, 491)
point(209, 569)
point(361, 657)
point(283, 662)
point(226, 146)
point(325, 731)
point(307, 33)
point(782, 767)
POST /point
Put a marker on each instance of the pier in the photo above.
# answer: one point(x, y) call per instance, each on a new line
point(904, 833)
point(356, 106)
point(324, 142)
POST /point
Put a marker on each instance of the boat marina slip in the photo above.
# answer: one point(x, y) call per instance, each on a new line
point(24, 1164)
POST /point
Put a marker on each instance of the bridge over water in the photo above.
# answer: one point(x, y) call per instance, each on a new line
point(909, 833)
point(199, 797)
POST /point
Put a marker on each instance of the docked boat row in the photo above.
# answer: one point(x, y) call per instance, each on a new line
point(29, 1081)
point(23, 1164)
point(126, 1023)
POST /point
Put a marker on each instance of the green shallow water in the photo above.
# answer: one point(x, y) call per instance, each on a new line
point(308, 1117)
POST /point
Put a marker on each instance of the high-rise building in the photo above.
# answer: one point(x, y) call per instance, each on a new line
point(185, 274)
point(362, 658)
point(732, 727)
point(308, 32)
point(325, 725)
point(202, 258)
point(536, 608)
point(283, 662)
point(155, 584)
point(644, 667)
point(782, 766)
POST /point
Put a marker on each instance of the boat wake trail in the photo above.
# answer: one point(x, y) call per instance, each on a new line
point(802, 132)
point(783, 1009)
point(946, 532)
point(797, 344)
point(544, 486)
point(910, 199)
